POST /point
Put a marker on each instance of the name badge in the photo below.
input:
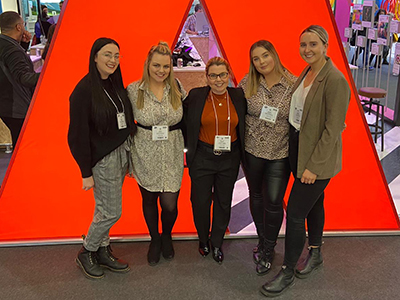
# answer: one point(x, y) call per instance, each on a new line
point(298, 113)
point(222, 143)
point(269, 113)
point(121, 121)
point(160, 133)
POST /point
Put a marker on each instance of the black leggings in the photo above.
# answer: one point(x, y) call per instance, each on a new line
point(267, 181)
point(306, 201)
point(169, 211)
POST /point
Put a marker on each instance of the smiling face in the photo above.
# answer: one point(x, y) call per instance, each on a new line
point(107, 60)
point(262, 61)
point(312, 49)
point(159, 67)
point(218, 78)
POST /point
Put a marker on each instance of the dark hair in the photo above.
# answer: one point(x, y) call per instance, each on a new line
point(8, 20)
point(102, 109)
point(197, 7)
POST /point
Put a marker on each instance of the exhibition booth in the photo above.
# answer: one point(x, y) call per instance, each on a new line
point(41, 200)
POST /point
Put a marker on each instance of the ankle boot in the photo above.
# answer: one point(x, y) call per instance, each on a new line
point(153, 255)
point(264, 264)
point(282, 281)
point(311, 263)
point(167, 247)
point(257, 250)
point(106, 259)
point(87, 261)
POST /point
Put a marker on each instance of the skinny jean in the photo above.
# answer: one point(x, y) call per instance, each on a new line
point(267, 181)
point(306, 201)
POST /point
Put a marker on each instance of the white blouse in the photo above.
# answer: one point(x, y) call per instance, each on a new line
point(297, 104)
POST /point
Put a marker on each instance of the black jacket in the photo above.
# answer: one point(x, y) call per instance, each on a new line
point(17, 79)
point(193, 107)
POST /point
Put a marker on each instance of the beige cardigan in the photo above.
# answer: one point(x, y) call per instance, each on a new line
point(324, 113)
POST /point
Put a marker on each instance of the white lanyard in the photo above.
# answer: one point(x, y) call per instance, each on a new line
point(216, 116)
point(116, 107)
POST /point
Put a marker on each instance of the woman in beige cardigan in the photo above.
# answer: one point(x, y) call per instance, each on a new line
point(317, 114)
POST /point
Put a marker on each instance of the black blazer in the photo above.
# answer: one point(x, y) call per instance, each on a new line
point(193, 109)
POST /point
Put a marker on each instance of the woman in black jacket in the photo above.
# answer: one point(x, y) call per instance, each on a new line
point(214, 131)
point(101, 123)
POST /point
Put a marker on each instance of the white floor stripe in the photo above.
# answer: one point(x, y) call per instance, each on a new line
point(394, 187)
point(240, 192)
point(391, 139)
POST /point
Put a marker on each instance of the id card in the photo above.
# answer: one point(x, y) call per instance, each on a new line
point(160, 133)
point(121, 121)
point(222, 143)
point(298, 113)
point(269, 113)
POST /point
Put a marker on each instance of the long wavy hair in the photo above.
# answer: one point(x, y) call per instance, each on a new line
point(253, 78)
point(103, 111)
point(174, 92)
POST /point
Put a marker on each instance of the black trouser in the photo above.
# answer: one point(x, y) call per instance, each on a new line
point(306, 201)
point(169, 212)
point(267, 181)
point(213, 178)
point(15, 126)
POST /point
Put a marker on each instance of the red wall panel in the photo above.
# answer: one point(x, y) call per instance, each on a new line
point(41, 196)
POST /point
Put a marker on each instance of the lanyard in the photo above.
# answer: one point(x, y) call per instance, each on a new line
point(216, 117)
point(116, 107)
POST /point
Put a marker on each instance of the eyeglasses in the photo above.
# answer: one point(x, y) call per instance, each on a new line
point(213, 76)
point(109, 56)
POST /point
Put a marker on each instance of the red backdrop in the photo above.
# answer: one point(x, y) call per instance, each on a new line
point(41, 195)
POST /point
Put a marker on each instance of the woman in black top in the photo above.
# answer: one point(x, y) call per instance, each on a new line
point(101, 123)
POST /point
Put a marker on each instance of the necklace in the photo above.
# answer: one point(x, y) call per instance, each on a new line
point(220, 101)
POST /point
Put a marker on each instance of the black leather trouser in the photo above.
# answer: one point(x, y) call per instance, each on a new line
point(267, 181)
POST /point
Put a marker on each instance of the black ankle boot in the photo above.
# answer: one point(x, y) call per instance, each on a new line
point(167, 247)
point(282, 281)
point(311, 263)
point(106, 259)
point(87, 261)
point(153, 255)
point(257, 250)
point(264, 264)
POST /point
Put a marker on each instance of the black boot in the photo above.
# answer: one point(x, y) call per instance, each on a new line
point(204, 249)
point(107, 260)
point(217, 254)
point(87, 261)
point(267, 256)
point(167, 247)
point(257, 250)
point(153, 255)
point(282, 281)
point(311, 263)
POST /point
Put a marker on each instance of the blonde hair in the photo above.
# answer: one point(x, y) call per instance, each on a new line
point(253, 77)
point(319, 31)
point(174, 91)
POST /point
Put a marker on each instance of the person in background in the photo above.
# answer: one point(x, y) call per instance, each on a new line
point(190, 25)
point(268, 90)
point(157, 149)
point(100, 130)
point(48, 42)
point(318, 109)
point(54, 19)
point(42, 25)
point(17, 76)
point(214, 133)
